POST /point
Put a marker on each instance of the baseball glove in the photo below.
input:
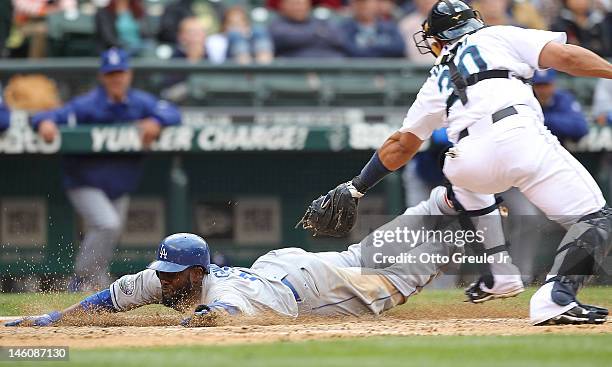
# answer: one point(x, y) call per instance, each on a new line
point(333, 214)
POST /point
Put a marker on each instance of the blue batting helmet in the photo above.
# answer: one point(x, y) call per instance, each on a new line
point(180, 251)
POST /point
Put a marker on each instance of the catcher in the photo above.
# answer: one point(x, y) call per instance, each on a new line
point(479, 89)
point(366, 278)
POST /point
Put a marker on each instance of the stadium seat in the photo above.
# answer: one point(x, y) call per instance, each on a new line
point(71, 37)
point(354, 90)
point(224, 89)
point(301, 89)
point(402, 88)
point(582, 88)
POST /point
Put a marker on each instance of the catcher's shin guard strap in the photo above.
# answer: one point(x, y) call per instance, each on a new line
point(371, 174)
point(477, 247)
point(470, 213)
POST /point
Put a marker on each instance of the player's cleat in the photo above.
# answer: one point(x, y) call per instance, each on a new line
point(581, 314)
point(475, 294)
point(600, 310)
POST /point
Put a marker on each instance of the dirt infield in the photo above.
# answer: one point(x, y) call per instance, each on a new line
point(293, 330)
point(437, 312)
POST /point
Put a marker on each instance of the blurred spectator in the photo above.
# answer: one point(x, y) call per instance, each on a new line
point(367, 36)
point(98, 186)
point(412, 24)
point(207, 11)
point(6, 23)
point(122, 24)
point(388, 10)
point(548, 10)
point(562, 113)
point(5, 116)
point(193, 44)
point(295, 33)
point(585, 26)
point(30, 25)
point(602, 102)
point(332, 4)
point(240, 41)
point(509, 12)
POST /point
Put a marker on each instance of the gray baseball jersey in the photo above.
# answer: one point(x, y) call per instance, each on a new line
point(294, 282)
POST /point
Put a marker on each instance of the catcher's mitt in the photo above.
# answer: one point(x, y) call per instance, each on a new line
point(333, 214)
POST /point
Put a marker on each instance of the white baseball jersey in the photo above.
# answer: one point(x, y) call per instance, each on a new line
point(497, 47)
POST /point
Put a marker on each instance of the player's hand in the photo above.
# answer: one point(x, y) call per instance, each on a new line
point(44, 320)
point(203, 316)
point(48, 131)
point(149, 131)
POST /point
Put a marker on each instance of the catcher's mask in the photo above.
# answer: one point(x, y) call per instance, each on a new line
point(447, 21)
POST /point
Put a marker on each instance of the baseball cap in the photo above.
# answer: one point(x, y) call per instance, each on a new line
point(544, 76)
point(114, 59)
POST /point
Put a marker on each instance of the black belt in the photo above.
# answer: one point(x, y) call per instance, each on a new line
point(499, 115)
point(290, 286)
point(483, 75)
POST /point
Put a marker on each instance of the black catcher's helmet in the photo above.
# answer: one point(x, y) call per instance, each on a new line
point(447, 21)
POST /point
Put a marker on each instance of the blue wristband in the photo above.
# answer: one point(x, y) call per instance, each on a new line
point(100, 301)
point(371, 174)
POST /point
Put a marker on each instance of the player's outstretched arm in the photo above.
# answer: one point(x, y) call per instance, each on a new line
point(574, 60)
point(335, 214)
point(98, 302)
point(395, 152)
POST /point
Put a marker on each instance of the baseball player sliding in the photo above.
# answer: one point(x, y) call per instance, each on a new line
point(479, 89)
point(288, 282)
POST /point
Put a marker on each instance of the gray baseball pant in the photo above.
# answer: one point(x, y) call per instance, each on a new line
point(104, 220)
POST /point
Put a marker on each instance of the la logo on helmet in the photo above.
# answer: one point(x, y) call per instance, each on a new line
point(163, 253)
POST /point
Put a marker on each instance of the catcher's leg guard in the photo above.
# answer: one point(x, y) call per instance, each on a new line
point(580, 255)
point(500, 279)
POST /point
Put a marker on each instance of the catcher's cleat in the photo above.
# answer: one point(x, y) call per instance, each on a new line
point(475, 294)
point(581, 314)
point(599, 310)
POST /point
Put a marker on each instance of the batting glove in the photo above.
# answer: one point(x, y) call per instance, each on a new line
point(200, 311)
point(44, 320)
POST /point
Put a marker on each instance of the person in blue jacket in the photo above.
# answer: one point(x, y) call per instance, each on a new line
point(562, 113)
point(98, 186)
point(5, 117)
point(424, 172)
point(366, 35)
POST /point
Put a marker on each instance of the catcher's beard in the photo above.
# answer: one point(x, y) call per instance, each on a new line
point(183, 299)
